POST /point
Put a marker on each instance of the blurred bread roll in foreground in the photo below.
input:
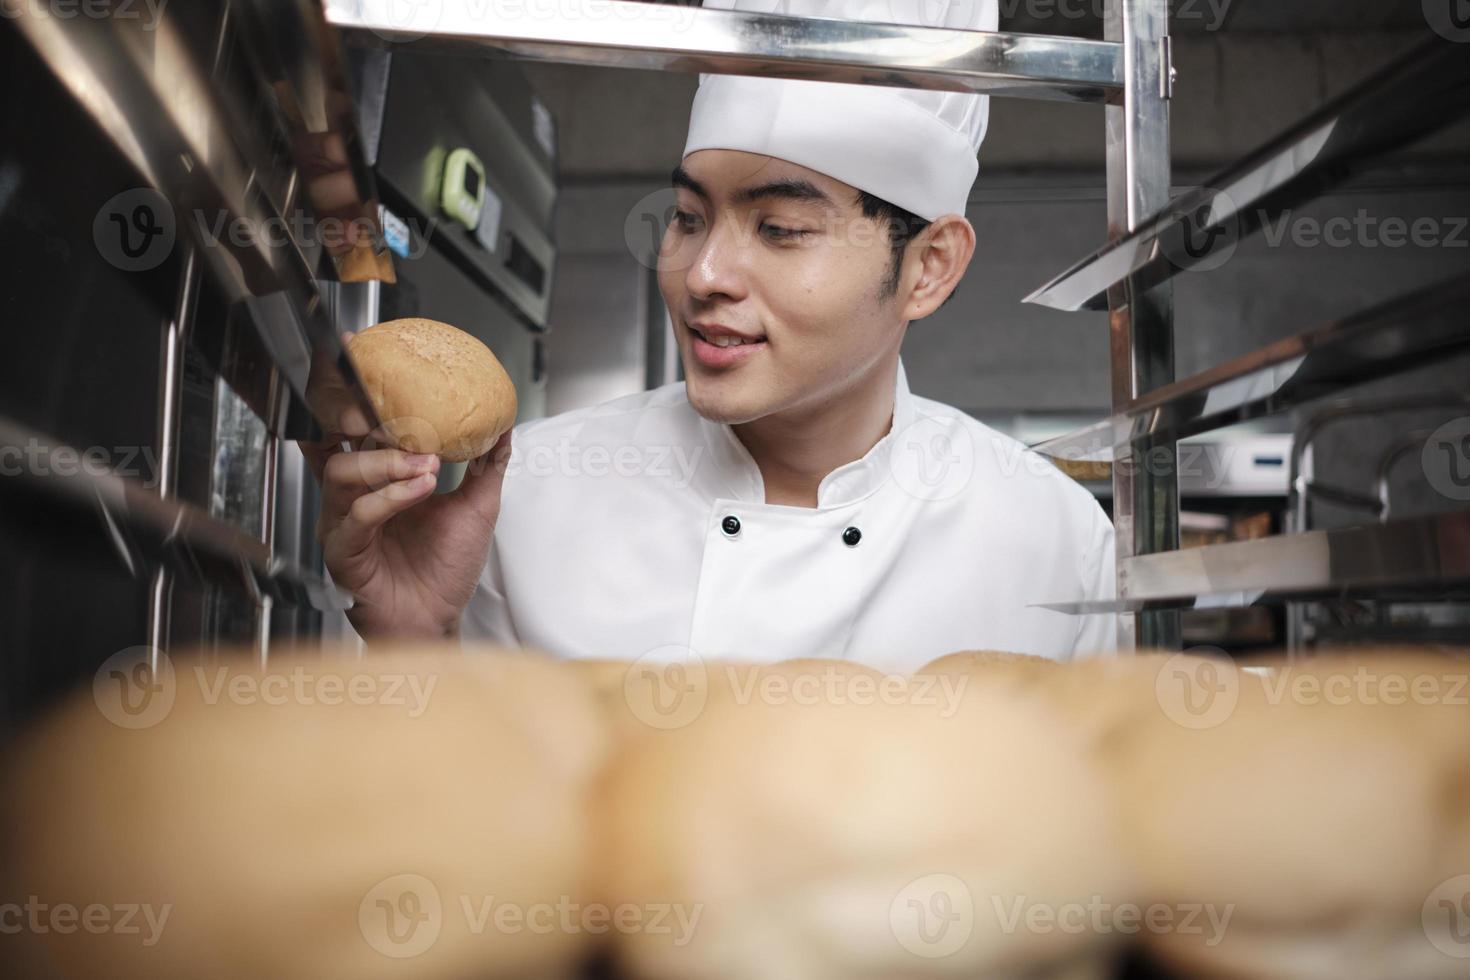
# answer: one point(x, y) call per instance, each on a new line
point(318, 819)
point(483, 813)
point(899, 831)
point(1325, 805)
point(437, 389)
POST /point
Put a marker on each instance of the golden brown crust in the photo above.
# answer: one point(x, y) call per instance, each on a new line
point(436, 388)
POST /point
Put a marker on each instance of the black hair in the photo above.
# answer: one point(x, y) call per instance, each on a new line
point(903, 227)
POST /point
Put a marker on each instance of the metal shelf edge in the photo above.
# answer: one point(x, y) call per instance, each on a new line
point(1418, 93)
point(673, 37)
point(1419, 553)
point(1394, 336)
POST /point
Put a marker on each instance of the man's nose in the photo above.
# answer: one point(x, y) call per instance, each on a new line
point(719, 265)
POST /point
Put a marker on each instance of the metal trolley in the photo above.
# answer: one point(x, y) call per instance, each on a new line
point(205, 141)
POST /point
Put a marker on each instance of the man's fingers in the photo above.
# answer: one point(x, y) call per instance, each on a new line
point(485, 477)
point(371, 511)
point(348, 476)
point(317, 454)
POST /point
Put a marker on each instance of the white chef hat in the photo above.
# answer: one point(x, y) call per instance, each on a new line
point(911, 147)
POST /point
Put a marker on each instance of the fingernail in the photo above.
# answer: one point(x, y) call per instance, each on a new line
point(421, 462)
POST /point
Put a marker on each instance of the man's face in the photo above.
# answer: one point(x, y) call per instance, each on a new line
point(782, 255)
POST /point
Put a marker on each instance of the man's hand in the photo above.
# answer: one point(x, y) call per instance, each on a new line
point(410, 557)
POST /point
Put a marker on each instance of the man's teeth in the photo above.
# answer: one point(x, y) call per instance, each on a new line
point(726, 341)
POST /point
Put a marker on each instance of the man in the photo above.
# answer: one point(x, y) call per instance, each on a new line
point(792, 497)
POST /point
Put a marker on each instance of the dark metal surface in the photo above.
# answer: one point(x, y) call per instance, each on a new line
point(1421, 92)
point(232, 142)
point(146, 529)
point(675, 37)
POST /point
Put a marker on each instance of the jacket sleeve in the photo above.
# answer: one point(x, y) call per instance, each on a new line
point(1097, 633)
point(487, 616)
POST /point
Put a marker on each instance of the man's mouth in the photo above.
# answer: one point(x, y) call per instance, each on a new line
point(722, 337)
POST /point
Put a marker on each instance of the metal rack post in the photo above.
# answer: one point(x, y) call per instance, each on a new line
point(1141, 319)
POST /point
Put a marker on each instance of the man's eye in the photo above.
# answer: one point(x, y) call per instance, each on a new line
point(685, 221)
point(781, 233)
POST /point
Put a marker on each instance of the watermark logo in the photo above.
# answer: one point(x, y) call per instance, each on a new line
point(1198, 689)
point(37, 458)
point(404, 20)
point(1201, 236)
point(150, 12)
point(1364, 230)
point(135, 231)
point(933, 916)
point(1100, 917)
point(1446, 459)
point(135, 688)
point(674, 463)
point(1450, 19)
point(401, 916)
point(646, 233)
point(1211, 15)
point(667, 687)
point(65, 918)
point(1446, 917)
point(933, 458)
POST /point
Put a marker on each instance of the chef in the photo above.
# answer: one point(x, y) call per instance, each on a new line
point(792, 497)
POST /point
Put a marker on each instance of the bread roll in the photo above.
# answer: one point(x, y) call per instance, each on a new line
point(369, 820)
point(912, 837)
point(1287, 826)
point(641, 698)
point(436, 388)
point(1329, 813)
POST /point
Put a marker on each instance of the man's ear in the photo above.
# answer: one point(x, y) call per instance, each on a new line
point(935, 262)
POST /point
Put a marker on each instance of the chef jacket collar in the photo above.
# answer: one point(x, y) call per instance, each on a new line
point(847, 484)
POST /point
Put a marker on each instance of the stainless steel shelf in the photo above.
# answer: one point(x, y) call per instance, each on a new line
point(1405, 557)
point(674, 37)
point(222, 161)
point(148, 530)
point(1393, 337)
point(1423, 91)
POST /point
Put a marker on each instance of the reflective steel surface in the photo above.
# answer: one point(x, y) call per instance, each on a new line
point(1141, 313)
point(238, 115)
point(1426, 552)
point(674, 37)
point(1423, 91)
point(148, 530)
point(1395, 336)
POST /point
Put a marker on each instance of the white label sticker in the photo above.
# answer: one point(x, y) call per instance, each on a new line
point(395, 233)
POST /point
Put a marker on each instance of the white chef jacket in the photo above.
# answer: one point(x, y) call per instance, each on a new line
point(637, 527)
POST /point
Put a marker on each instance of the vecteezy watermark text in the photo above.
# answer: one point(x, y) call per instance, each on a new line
point(40, 459)
point(150, 12)
point(404, 915)
point(136, 688)
point(64, 918)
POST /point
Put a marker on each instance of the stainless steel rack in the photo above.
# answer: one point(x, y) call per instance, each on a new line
point(1419, 93)
point(148, 530)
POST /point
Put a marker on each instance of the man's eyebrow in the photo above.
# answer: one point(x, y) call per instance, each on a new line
point(788, 188)
point(680, 178)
